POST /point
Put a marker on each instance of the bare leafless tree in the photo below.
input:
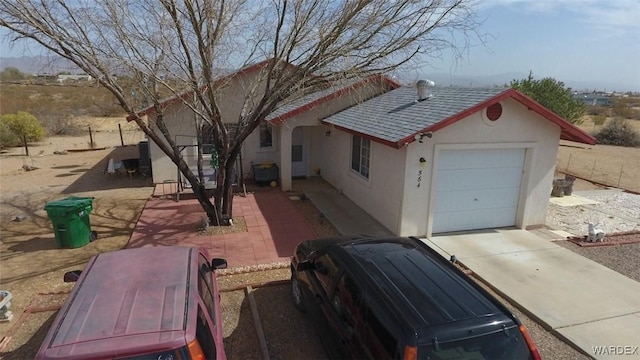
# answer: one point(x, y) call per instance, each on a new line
point(178, 47)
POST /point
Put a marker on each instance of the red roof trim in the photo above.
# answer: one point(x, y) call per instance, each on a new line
point(568, 131)
point(370, 137)
point(308, 106)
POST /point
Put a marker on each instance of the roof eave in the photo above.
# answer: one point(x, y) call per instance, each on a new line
point(392, 144)
point(569, 131)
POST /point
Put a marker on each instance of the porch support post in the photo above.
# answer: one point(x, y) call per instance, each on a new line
point(285, 157)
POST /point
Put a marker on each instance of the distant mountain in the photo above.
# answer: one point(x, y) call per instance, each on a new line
point(50, 65)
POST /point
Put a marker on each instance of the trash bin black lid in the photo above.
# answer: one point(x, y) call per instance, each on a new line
point(64, 206)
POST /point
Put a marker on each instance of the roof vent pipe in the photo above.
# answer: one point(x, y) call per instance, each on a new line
point(424, 89)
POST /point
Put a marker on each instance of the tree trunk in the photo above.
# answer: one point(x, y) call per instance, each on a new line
point(223, 194)
point(26, 145)
point(220, 211)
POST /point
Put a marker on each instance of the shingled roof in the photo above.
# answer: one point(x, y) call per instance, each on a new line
point(394, 118)
point(318, 98)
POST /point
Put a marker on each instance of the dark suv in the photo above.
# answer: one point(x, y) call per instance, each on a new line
point(396, 298)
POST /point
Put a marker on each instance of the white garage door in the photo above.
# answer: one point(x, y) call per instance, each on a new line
point(477, 189)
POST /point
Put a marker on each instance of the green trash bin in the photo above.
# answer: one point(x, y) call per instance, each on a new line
point(70, 219)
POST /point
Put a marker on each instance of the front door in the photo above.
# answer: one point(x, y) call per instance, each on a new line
point(298, 154)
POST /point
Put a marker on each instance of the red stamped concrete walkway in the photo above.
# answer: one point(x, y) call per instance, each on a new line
point(273, 223)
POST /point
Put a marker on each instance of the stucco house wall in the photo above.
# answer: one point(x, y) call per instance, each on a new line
point(381, 193)
point(517, 128)
point(391, 194)
point(508, 163)
point(181, 123)
point(314, 132)
point(180, 120)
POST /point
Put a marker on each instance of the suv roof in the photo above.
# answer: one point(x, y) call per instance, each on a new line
point(423, 289)
point(133, 298)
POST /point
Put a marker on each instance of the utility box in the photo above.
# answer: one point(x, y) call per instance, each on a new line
point(265, 173)
point(70, 219)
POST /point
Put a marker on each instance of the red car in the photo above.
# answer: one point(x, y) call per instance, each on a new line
point(147, 303)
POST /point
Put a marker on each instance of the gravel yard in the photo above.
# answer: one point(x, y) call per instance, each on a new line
point(288, 333)
point(616, 211)
point(621, 258)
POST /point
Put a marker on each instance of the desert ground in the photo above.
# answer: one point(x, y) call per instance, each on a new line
point(604, 164)
point(30, 263)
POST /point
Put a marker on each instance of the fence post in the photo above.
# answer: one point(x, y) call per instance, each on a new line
point(26, 145)
point(620, 177)
point(90, 138)
point(120, 130)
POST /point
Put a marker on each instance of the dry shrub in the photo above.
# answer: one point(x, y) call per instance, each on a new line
point(620, 133)
point(597, 110)
point(58, 124)
point(7, 137)
point(57, 105)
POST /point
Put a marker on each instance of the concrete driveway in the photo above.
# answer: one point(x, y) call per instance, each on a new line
point(591, 306)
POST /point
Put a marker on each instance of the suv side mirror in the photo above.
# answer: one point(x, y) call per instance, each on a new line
point(305, 265)
point(72, 276)
point(218, 263)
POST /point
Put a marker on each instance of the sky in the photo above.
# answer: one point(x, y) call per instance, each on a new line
point(587, 44)
point(583, 43)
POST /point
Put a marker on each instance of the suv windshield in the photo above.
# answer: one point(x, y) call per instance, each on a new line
point(508, 344)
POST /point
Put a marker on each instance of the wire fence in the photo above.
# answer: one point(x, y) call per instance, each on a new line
point(114, 138)
point(608, 172)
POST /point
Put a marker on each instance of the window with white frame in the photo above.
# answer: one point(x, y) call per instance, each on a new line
point(266, 136)
point(360, 154)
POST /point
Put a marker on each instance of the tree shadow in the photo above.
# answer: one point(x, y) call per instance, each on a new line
point(96, 178)
point(34, 244)
point(166, 223)
point(30, 348)
point(29, 247)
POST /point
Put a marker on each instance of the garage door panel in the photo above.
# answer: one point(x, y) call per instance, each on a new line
point(477, 189)
point(467, 220)
point(472, 159)
point(478, 178)
point(473, 200)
